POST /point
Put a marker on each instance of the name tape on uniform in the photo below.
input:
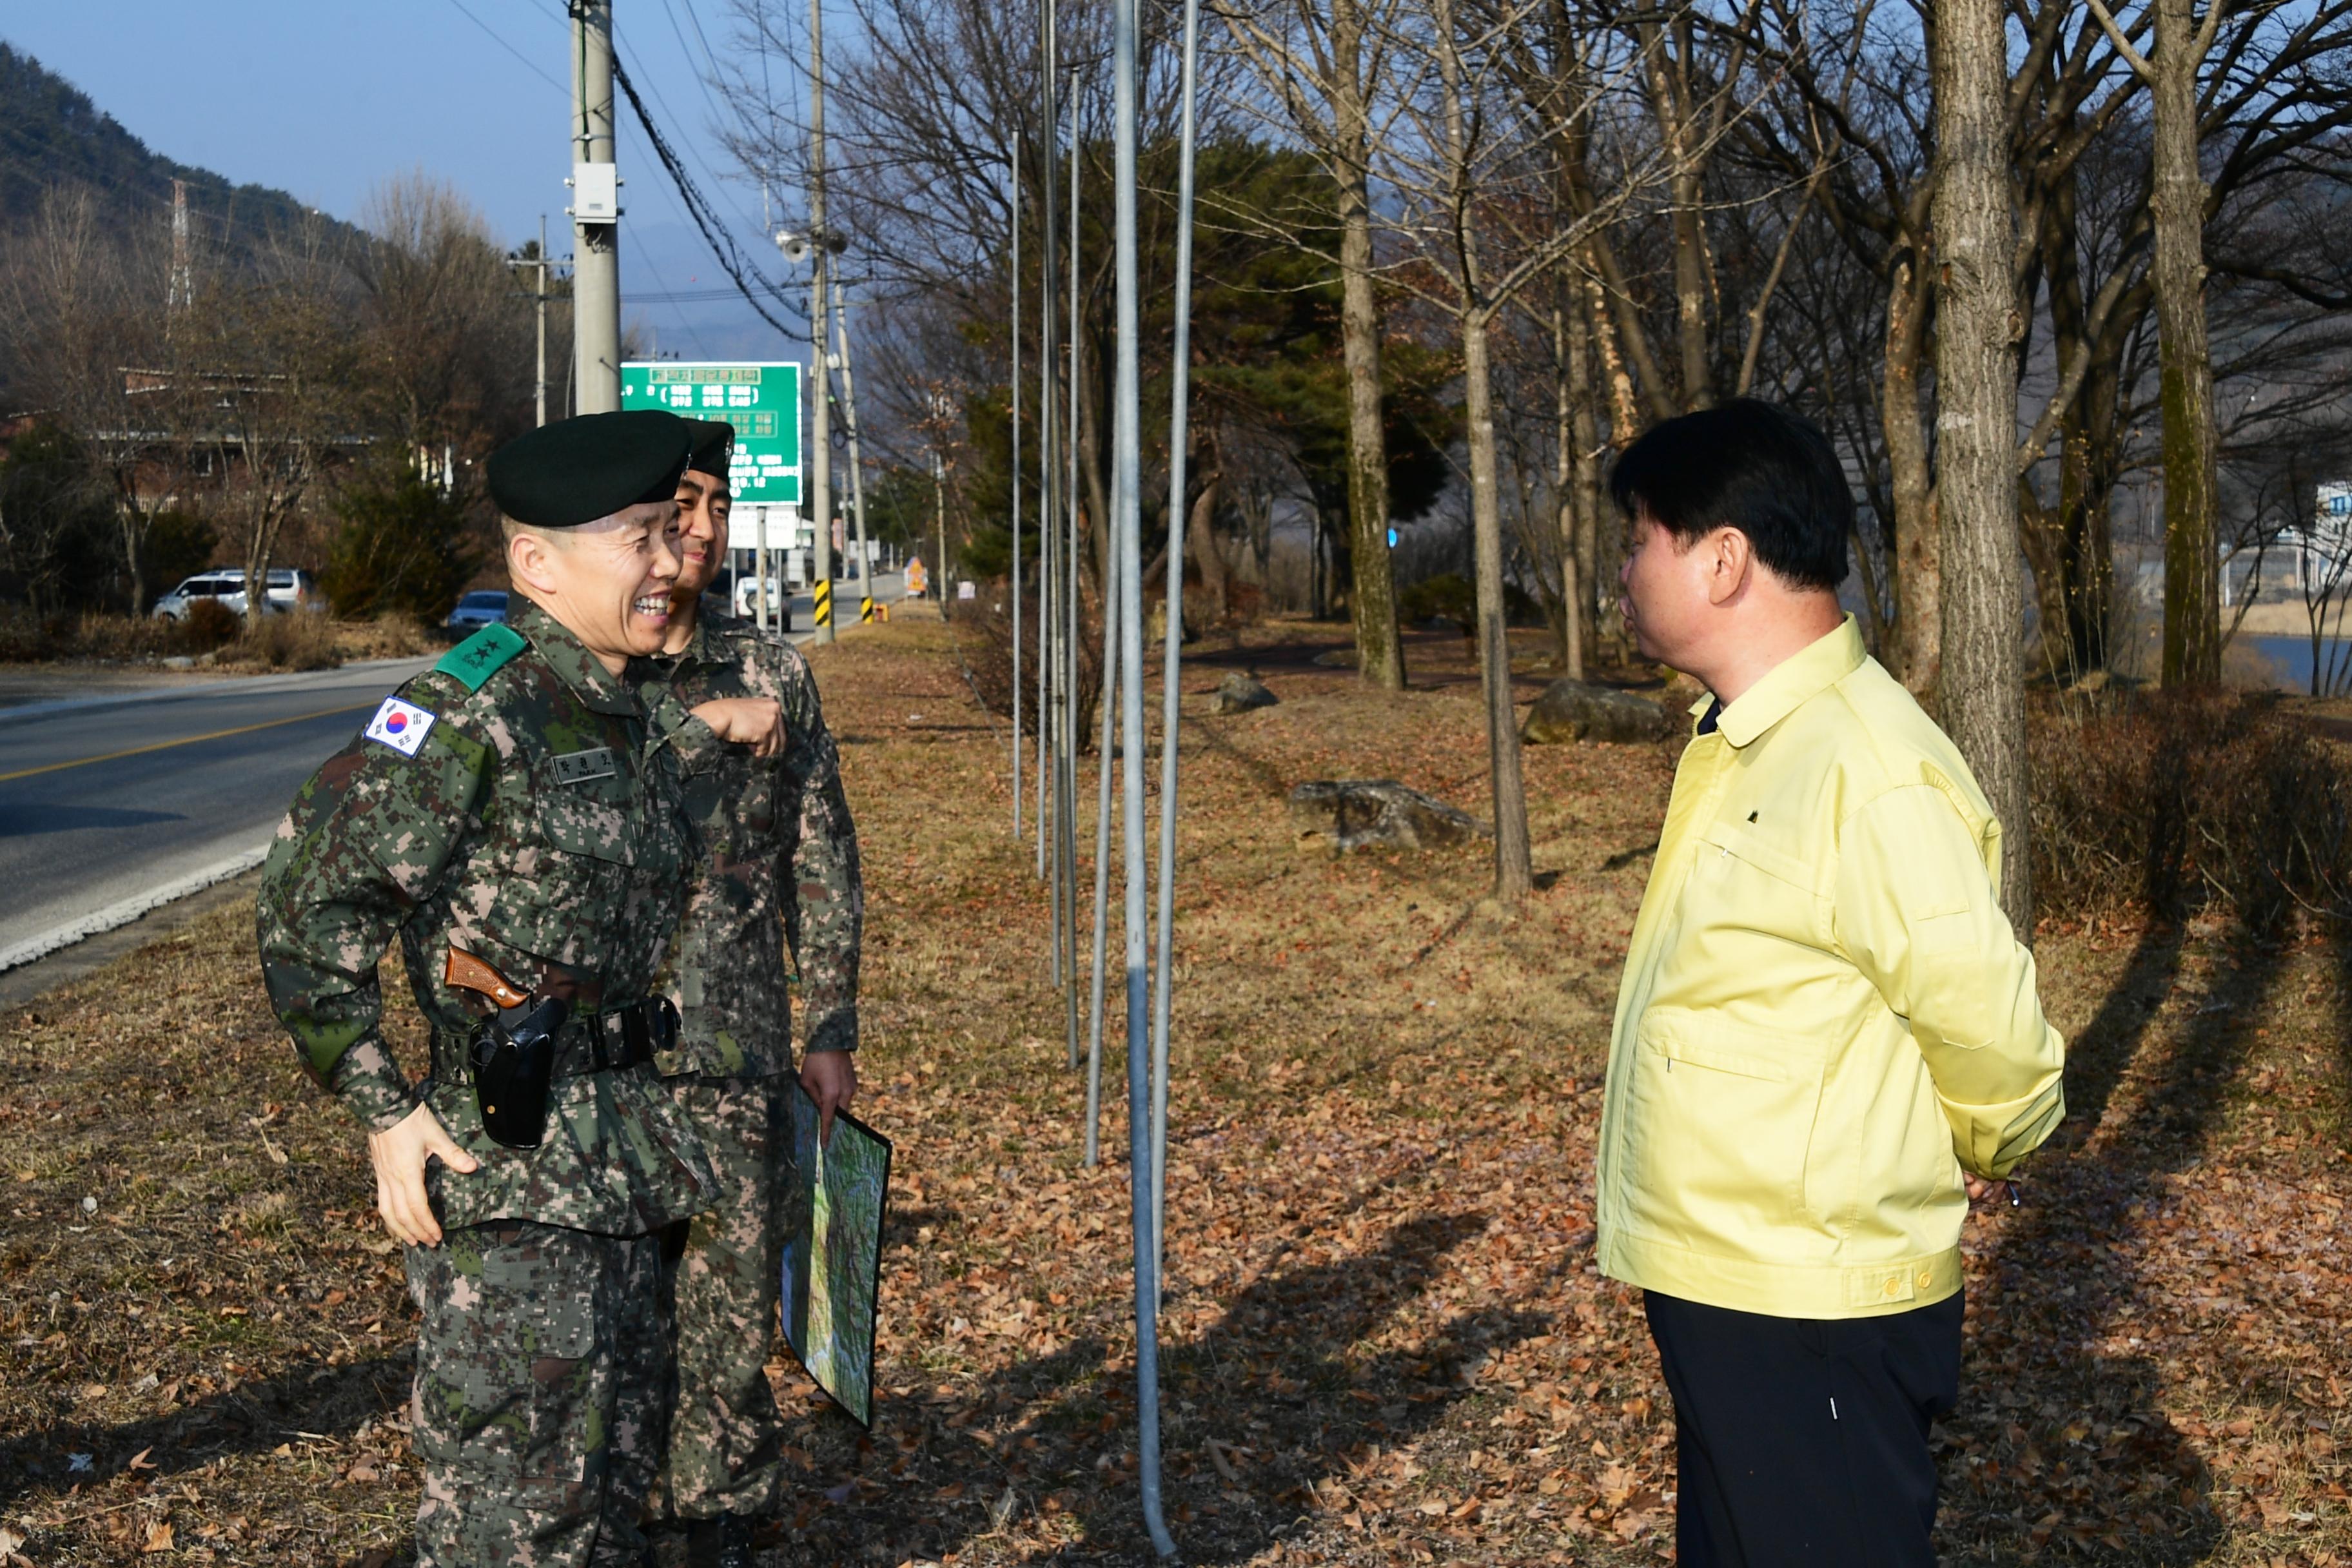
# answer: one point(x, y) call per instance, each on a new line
point(403, 726)
point(579, 767)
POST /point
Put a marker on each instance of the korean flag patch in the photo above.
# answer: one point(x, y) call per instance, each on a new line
point(401, 725)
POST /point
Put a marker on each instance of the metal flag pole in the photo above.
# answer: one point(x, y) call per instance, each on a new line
point(1179, 434)
point(1045, 370)
point(1016, 485)
point(1067, 629)
point(1128, 553)
point(1111, 612)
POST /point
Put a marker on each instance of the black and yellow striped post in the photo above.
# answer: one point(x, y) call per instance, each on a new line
point(865, 609)
point(824, 591)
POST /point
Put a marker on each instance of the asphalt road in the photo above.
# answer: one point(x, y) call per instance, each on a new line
point(109, 802)
point(120, 802)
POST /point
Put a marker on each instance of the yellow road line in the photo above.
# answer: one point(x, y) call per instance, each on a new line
point(187, 741)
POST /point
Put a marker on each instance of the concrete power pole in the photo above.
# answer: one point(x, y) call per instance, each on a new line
point(820, 463)
point(595, 213)
point(542, 394)
point(856, 457)
point(539, 297)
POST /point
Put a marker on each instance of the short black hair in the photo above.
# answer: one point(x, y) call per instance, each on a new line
point(1751, 466)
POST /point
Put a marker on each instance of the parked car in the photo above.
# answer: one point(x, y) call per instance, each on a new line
point(747, 600)
point(482, 607)
point(289, 588)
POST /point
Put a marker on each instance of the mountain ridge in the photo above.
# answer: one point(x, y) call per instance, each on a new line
point(52, 135)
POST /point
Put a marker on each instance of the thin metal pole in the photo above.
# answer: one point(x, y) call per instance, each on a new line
point(1127, 462)
point(1071, 609)
point(1017, 484)
point(1111, 609)
point(1179, 433)
point(1048, 122)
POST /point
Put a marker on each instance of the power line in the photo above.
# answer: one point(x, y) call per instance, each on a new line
point(529, 64)
point(698, 206)
point(655, 87)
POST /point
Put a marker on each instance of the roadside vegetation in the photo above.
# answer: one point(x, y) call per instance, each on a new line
point(1385, 1342)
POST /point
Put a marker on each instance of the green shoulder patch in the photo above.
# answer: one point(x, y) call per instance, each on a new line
point(479, 657)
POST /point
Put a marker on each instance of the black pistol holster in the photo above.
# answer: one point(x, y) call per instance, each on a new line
point(518, 1054)
point(513, 1060)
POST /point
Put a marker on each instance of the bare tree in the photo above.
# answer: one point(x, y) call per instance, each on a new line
point(447, 340)
point(87, 321)
point(274, 371)
point(1325, 65)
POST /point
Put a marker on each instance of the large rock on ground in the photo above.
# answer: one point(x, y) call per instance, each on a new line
point(1572, 710)
point(1376, 814)
point(1237, 693)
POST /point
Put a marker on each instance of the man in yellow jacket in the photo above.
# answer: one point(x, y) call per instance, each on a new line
point(1827, 1041)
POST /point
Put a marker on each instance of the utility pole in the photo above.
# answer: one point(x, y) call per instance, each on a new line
point(857, 456)
point(820, 464)
point(939, 493)
point(539, 296)
point(539, 394)
point(595, 213)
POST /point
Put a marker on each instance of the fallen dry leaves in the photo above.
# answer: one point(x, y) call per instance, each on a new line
point(1384, 1341)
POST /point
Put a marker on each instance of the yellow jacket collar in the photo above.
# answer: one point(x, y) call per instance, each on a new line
point(1804, 674)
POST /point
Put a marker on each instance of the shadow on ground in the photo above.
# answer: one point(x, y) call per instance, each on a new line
point(1273, 1383)
point(2060, 1443)
point(310, 1399)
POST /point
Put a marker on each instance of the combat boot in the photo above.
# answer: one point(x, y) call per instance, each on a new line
point(721, 1543)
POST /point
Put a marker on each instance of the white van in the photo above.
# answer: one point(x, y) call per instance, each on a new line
point(290, 588)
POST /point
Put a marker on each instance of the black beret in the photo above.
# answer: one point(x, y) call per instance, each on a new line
point(577, 471)
point(714, 445)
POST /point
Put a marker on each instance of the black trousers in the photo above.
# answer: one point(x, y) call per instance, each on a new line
point(1804, 1440)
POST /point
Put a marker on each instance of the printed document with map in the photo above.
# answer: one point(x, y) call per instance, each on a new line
point(833, 1265)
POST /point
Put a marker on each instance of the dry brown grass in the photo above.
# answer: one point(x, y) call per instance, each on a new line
point(1384, 1343)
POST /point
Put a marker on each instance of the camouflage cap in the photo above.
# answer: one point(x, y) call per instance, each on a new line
point(714, 446)
point(577, 471)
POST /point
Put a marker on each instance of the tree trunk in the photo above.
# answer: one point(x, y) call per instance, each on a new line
point(1686, 188)
point(1514, 872)
point(1574, 384)
point(1918, 545)
point(1094, 532)
point(1584, 431)
point(1976, 427)
point(2192, 613)
point(1372, 600)
point(2069, 544)
point(1202, 544)
point(1379, 649)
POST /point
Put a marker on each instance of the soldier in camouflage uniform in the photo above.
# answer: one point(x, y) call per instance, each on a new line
point(781, 866)
point(520, 802)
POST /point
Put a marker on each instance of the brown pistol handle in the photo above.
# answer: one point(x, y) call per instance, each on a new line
point(473, 974)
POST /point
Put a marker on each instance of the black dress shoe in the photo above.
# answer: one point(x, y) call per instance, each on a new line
point(721, 1543)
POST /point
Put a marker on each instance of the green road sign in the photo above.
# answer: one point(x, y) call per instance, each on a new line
point(761, 401)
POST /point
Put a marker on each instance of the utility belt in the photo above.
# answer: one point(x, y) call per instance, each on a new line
point(516, 1056)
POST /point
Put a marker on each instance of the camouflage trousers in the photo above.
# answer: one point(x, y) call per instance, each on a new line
point(537, 1410)
point(726, 1439)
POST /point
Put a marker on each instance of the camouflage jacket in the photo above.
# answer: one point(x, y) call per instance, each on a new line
point(779, 866)
point(520, 802)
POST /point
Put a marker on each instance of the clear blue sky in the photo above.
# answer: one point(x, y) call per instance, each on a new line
point(326, 97)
